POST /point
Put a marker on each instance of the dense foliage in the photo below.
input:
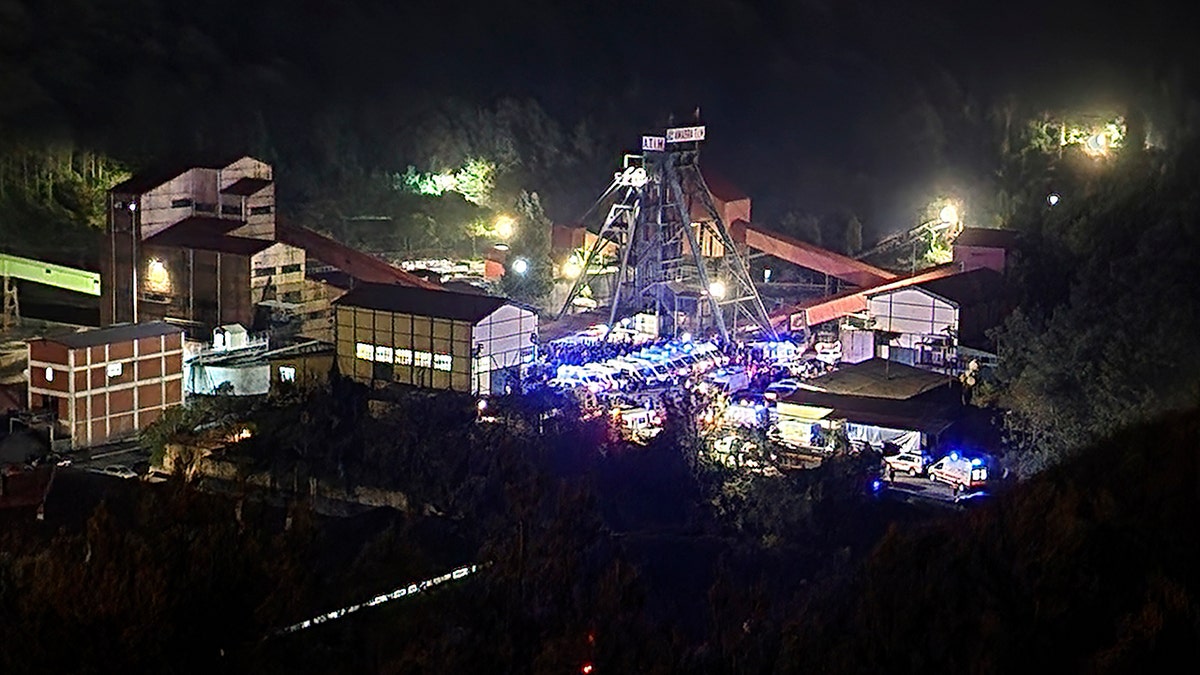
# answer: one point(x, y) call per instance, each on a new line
point(1108, 307)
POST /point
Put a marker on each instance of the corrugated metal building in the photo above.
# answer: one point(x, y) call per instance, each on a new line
point(437, 339)
point(108, 383)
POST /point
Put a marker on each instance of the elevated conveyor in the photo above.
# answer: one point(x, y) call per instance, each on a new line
point(59, 276)
point(809, 256)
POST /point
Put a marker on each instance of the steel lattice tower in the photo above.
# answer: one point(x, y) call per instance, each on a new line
point(662, 266)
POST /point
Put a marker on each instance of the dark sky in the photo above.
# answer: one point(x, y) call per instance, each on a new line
point(813, 105)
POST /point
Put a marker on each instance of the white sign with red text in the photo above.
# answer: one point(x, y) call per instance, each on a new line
point(685, 134)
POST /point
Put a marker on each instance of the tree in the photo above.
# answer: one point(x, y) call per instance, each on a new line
point(853, 235)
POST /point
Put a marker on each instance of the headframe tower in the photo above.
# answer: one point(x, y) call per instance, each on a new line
point(674, 254)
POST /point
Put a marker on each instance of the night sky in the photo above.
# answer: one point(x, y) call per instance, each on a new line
point(814, 106)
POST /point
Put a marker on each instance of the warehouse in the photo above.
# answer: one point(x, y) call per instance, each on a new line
point(436, 339)
point(109, 383)
point(930, 322)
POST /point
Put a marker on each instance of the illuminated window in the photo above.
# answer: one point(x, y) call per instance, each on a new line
point(113, 370)
point(287, 373)
point(49, 374)
point(441, 361)
point(404, 357)
point(364, 351)
point(383, 354)
point(422, 359)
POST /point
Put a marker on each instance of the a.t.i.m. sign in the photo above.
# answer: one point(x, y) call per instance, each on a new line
point(685, 134)
point(654, 143)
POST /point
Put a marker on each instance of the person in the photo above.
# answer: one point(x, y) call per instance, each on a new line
point(891, 474)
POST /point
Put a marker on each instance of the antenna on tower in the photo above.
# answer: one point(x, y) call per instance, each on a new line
point(669, 246)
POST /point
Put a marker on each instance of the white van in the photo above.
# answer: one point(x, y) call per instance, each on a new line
point(728, 380)
point(959, 471)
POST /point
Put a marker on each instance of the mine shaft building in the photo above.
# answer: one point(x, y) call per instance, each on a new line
point(106, 384)
point(437, 339)
point(202, 247)
point(196, 246)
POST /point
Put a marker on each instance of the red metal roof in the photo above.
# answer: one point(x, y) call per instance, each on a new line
point(986, 237)
point(361, 266)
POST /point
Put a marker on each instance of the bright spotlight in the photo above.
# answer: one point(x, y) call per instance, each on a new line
point(571, 269)
point(1052, 199)
point(500, 246)
point(504, 226)
point(520, 266)
point(717, 289)
point(481, 405)
point(949, 214)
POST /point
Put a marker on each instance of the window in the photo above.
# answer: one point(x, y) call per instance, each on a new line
point(289, 269)
point(291, 296)
point(287, 373)
point(364, 351)
point(441, 361)
point(113, 370)
point(383, 354)
point(422, 359)
point(205, 207)
point(259, 210)
point(264, 271)
point(231, 209)
point(404, 357)
point(49, 374)
point(181, 203)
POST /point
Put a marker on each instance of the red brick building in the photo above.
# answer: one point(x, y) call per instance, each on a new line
point(108, 383)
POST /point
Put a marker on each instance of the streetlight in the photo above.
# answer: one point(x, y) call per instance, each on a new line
point(504, 226)
point(571, 269)
point(520, 266)
point(949, 214)
point(717, 289)
point(1052, 199)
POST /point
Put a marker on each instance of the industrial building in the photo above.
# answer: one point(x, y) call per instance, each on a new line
point(977, 247)
point(930, 322)
point(874, 402)
point(105, 384)
point(202, 247)
point(438, 339)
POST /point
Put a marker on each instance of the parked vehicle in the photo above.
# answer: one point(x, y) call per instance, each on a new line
point(911, 463)
point(119, 471)
point(782, 388)
point(728, 379)
point(959, 471)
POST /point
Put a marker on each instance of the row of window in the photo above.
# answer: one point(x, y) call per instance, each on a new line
point(227, 209)
point(402, 357)
point(268, 271)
